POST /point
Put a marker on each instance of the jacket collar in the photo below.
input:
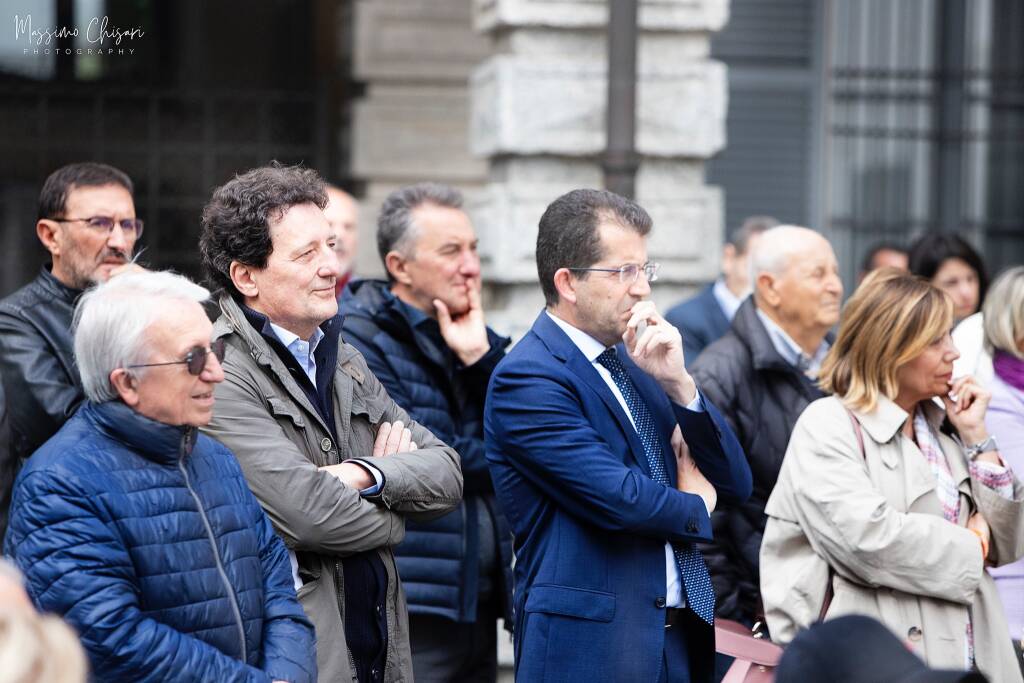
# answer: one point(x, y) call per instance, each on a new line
point(887, 418)
point(55, 287)
point(374, 299)
point(233, 320)
point(156, 441)
point(751, 331)
point(883, 425)
point(565, 349)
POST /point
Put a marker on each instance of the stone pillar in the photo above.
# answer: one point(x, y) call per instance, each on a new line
point(537, 116)
point(414, 58)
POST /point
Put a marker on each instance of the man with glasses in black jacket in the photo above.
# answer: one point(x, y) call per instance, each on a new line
point(87, 222)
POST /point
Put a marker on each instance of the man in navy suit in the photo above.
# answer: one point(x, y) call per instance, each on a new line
point(607, 462)
point(706, 317)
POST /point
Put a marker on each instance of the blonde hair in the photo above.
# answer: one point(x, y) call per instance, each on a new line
point(38, 648)
point(890, 319)
point(1003, 313)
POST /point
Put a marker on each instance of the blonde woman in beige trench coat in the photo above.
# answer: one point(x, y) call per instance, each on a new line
point(906, 538)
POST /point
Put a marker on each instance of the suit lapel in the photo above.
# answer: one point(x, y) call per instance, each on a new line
point(585, 370)
point(564, 349)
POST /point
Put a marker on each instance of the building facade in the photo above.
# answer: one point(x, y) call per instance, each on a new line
point(865, 119)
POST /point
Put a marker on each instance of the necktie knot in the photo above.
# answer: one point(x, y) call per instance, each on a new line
point(610, 360)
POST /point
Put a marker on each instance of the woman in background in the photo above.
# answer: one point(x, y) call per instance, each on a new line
point(952, 265)
point(1004, 340)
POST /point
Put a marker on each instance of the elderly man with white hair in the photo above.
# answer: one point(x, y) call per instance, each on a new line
point(761, 375)
point(138, 530)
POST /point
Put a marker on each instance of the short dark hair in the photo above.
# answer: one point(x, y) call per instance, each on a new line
point(395, 218)
point(753, 225)
point(567, 236)
point(59, 184)
point(236, 221)
point(867, 264)
point(931, 250)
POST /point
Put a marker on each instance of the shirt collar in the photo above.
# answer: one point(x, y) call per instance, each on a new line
point(727, 301)
point(790, 350)
point(588, 346)
point(288, 337)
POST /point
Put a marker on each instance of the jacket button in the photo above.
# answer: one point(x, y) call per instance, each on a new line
point(325, 444)
point(914, 634)
point(659, 603)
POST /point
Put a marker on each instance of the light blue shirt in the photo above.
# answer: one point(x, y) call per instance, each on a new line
point(591, 349)
point(791, 351)
point(303, 353)
point(727, 301)
point(302, 350)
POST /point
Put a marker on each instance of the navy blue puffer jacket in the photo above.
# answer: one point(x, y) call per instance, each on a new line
point(147, 540)
point(438, 561)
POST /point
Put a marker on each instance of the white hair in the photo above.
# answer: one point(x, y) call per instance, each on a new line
point(775, 249)
point(111, 321)
point(1003, 312)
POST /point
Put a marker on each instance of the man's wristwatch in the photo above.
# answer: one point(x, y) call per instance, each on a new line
point(977, 449)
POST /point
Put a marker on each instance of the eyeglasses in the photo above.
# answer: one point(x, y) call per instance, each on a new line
point(629, 272)
point(130, 226)
point(195, 359)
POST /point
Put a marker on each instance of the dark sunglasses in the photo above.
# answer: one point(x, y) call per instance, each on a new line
point(195, 359)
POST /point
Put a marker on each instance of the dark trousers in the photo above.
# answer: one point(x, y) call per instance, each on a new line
point(447, 652)
point(675, 665)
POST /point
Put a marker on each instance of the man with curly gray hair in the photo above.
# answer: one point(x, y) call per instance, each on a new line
point(311, 425)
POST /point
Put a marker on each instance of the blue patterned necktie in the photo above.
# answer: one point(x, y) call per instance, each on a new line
point(699, 593)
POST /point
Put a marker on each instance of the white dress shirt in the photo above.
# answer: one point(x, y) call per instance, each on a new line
point(591, 349)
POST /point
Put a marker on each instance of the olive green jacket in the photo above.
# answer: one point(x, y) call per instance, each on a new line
point(281, 441)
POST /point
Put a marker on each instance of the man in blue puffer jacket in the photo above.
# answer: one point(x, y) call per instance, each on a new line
point(141, 532)
point(423, 336)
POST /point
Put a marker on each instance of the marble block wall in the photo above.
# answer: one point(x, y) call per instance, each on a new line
point(506, 100)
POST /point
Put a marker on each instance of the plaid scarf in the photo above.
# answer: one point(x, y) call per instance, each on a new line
point(945, 487)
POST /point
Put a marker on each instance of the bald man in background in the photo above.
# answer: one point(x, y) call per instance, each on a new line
point(342, 214)
point(761, 375)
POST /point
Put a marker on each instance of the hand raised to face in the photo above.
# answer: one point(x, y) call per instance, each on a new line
point(465, 334)
point(657, 349)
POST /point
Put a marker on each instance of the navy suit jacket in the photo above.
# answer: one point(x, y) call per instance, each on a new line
point(700, 320)
point(590, 524)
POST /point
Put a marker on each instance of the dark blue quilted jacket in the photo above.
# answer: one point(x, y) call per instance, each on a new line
point(147, 540)
point(404, 348)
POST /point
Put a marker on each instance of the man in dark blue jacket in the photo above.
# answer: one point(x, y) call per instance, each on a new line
point(423, 335)
point(141, 533)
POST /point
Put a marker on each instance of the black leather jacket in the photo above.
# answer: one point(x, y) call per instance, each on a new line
point(761, 396)
point(37, 365)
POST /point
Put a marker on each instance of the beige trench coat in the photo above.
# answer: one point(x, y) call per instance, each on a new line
point(877, 521)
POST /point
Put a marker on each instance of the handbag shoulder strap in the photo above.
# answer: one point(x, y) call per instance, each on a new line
point(829, 591)
point(858, 432)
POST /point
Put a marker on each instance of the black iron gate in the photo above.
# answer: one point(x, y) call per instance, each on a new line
point(925, 124)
